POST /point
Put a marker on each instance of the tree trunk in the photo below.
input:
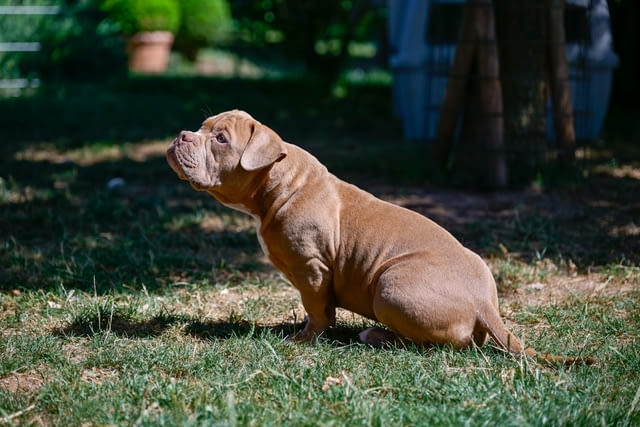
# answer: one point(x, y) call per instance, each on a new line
point(522, 33)
point(479, 158)
point(559, 84)
point(509, 58)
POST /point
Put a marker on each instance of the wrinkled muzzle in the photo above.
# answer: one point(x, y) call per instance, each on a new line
point(186, 156)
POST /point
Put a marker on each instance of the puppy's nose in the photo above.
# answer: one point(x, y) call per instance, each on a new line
point(186, 136)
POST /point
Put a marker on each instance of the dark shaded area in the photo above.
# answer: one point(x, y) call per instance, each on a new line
point(592, 227)
point(61, 226)
point(124, 325)
point(118, 321)
point(224, 329)
point(213, 330)
point(119, 324)
point(626, 39)
point(136, 108)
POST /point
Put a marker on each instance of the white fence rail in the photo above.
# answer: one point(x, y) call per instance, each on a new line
point(23, 46)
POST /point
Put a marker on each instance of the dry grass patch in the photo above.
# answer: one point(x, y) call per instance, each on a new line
point(23, 382)
point(89, 155)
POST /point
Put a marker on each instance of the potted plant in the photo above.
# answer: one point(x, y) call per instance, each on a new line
point(204, 23)
point(150, 26)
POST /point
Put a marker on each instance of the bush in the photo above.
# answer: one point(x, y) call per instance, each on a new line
point(133, 16)
point(204, 22)
point(82, 45)
point(318, 32)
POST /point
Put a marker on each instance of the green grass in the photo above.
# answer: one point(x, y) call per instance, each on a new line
point(129, 358)
point(151, 304)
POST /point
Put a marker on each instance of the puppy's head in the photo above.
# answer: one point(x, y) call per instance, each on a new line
point(227, 150)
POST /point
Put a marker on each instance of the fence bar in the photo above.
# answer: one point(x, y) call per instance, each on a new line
point(19, 83)
point(29, 10)
point(20, 47)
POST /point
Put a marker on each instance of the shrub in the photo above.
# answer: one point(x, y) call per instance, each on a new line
point(317, 32)
point(204, 22)
point(134, 16)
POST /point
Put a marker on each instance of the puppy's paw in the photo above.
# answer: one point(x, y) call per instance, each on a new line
point(308, 335)
point(378, 337)
point(304, 337)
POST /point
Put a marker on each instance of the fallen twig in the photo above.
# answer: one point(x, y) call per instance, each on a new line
point(17, 414)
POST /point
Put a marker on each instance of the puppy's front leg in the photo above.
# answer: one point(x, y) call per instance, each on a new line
point(316, 291)
point(321, 313)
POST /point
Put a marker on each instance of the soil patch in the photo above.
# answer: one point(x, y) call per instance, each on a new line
point(22, 382)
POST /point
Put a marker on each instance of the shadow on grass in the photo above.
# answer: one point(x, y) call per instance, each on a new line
point(223, 329)
point(594, 226)
point(120, 325)
point(123, 325)
point(62, 226)
point(69, 114)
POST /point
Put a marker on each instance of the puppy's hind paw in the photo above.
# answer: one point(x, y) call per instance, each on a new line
point(304, 337)
point(378, 337)
point(309, 334)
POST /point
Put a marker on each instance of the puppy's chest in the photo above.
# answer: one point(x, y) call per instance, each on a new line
point(273, 251)
point(258, 225)
point(291, 247)
point(261, 241)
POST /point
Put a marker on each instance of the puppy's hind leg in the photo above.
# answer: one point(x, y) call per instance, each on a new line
point(479, 337)
point(413, 307)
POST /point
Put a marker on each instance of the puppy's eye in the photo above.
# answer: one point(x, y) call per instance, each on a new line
point(221, 138)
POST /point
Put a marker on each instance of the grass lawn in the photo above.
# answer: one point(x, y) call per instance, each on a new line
point(126, 298)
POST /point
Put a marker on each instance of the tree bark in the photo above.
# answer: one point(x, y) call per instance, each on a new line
point(479, 158)
point(559, 84)
point(490, 118)
point(522, 32)
point(510, 57)
point(459, 75)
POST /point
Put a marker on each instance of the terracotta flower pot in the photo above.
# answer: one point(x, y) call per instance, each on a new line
point(149, 51)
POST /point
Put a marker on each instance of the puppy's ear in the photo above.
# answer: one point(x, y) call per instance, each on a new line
point(264, 149)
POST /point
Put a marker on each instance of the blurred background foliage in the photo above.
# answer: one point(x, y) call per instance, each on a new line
point(322, 62)
point(76, 44)
point(320, 34)
point(133, 16)
point(204, 23)
point(84, 41)
point(332, 54)
point(304, 36)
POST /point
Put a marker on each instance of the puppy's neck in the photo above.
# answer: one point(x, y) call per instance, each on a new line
point(283, 180)
point(271, 188)
point(242, 200)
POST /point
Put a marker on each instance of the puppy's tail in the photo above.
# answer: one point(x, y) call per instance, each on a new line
point(489, 321)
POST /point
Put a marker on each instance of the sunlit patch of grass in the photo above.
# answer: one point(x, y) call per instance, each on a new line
point(513, 274)
point(155, 359)
point(621, 272)
point(11, 192)
point(92, 152)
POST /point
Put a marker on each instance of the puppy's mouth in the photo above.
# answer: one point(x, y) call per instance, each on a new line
point(185, 164)
point(174, 163)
